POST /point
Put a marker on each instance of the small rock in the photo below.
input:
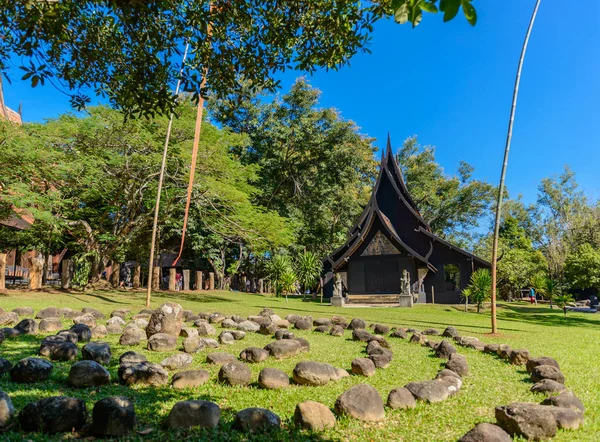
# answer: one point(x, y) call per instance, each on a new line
point(97, 351)
point(7, 411)
point(145, 373)
point(418, 338)
point(486, 432)
point(450, 332)
point(235, 373)
point(544, 360)
point(314, 373)
point(27, 327)
point(209, 343)
point(360, 334)
point(205, 329)
point(117, 320)
point(177, 361)
point(65, 351)
point(336, 330)
point(218, 358)
point(188, 332)
point(95, 313)
point(565, 400)
point(87, 319)
point(255, 420)
point(302, 324)
point(504, 351)
point(436, 390)
point(357, 323)
point(83, 332)
point(8, 318)
point(228, 323)
point(527, 420)
point(547, 372)
point(190, 414)
point(548, 386)
point(193, 344)
point(5, 366)
point(49, 343)
point(361, 402)
point(189, 379)
point(254, 354)
point(401, 398)
point(273, 378)
point(99, 332)
point(216, 318)
point(131, 358)
point(248, 326)
point(48, 312)
point(363, 367)
point(519, 356)
point(23, 311)
point(322, 321)
point(114, 329)
point(399, 333)
point(85, 374)
point(166, 319)
point(313, 416)
point(226, 338)
point(444, 350)
point(162, 342)
point(113, 417)
point(458, 364)
point(132, 336)
point(57, 414)
point(321, 329)
point(50, 325)
point(491, 348)
point(284, 348)
point(431, 332)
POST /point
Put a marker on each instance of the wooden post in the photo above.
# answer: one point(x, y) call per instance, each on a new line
point(36, 266)
point(156, 274)
point(172, 274)
point(199, 276)
point(211, 280)
point(115, 275)
point(261, 286)
point(2, 271)
point(432, 295)
point(67, 274)
point(137, 273)
point(243, 288)
point(186, 280)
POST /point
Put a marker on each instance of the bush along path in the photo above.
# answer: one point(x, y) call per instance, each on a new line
point(161, 330)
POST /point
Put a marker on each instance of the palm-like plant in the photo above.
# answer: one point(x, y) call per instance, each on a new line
point(280, 272)
point(308, 268)
point(564, 300)
point(552, 289)
point(479, 288)
point(538, 282)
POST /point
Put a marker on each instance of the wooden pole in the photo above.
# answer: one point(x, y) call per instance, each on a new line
point(505, 165)
point(432, 294)
point(161, 178)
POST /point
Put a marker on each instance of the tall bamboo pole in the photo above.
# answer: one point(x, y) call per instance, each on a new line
point(505, 164)
point(160, 184)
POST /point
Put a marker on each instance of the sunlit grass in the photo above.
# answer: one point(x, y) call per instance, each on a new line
point(572, 341)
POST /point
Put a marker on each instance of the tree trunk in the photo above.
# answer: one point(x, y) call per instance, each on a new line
point(36, 266)
point(66, 278)
point(115, 275)
point(2, 271)
point(505, 165)
point(137, 274)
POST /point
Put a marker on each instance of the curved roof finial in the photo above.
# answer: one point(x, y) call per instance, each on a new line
point(389, 153)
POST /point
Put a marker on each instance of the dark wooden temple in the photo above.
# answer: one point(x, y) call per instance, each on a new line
point(391, 236)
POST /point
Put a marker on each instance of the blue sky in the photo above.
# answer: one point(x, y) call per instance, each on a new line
point(451, 84)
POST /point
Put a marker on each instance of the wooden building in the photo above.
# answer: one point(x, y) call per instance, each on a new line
point(391, 236)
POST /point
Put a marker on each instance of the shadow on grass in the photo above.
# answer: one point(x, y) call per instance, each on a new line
point(541, 316)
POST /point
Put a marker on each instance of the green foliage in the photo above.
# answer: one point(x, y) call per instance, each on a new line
point(582, 267)
point(452, 205)
point(479, 289)
point(563, 301)
point(412, 10)
point(313, 167)
point(308, 267)
point(281, 273)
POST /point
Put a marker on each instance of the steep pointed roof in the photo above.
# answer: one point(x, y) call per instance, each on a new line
point(394, 211)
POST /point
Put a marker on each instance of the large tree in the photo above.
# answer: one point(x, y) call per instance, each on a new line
point(453, 205)
point(129, 51)
point(314, 167)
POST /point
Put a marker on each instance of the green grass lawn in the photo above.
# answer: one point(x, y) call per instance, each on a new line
point(573, 341)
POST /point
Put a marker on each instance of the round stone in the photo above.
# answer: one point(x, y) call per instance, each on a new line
point(113, 417)
point(361, 402)
point(273, 378)
point(313, 416)
point(235, 373)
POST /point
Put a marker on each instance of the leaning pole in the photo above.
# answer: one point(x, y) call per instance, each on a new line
point(505, 165)
point(161, 177)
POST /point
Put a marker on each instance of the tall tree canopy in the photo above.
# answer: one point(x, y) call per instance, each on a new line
point(130, 51)
point(315, 168)
point(452, 205)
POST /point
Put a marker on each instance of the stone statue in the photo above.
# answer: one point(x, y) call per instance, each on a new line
point(337, 285)
point(405, 283)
